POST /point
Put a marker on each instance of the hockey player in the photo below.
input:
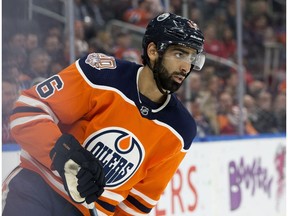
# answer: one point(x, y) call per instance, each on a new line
point(106, 133)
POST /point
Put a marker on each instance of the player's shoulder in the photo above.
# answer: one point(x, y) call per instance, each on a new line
point(182, 121)
point(99, 67)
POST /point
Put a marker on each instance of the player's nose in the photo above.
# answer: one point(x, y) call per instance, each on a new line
point(185, 67)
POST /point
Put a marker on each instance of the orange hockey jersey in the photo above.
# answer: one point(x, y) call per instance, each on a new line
point(139, 143)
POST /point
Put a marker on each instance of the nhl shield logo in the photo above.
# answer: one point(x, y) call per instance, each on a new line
point(144, 110)
point(119, 151)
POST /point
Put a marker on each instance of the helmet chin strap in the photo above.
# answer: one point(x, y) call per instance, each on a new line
point(156, 78)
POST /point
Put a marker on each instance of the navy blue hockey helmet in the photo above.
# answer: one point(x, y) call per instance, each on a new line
point(167, 29)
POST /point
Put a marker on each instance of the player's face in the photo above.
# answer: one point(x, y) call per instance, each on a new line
point(175, 65)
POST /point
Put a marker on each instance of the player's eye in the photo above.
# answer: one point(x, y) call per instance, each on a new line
point(179, 55)
point(186, 57)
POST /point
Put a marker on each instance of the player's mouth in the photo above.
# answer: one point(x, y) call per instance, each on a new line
point(178, 78)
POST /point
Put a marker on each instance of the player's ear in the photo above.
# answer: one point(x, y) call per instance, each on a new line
point(152, 52)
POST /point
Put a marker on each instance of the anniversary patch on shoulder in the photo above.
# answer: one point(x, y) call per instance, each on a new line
point(101, 61)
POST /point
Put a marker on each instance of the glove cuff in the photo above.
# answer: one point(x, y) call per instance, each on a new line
point(65, 146)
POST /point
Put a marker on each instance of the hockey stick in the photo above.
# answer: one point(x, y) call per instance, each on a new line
point(93, 212)
point(92, 209)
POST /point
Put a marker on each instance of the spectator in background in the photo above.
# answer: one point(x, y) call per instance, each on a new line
point(230, 9)
point(132, 55)
point(209, 100)
point(10, 93)
point(123, 48)
point(270, 36)
point(103, 43)
point(265, 120)
point(16, 56)
point(210, 8)
point(156, 7)
point(22, 80)
point(213, 45)
point(229, 43)
point(55, 30)
point(228, 116)
point(139, 15)
point(120, 7)
point(255, 87)
point(196, 15)
point(39, 61)
point(17, 40)
point(258, 22)
point(195, 84)
point(279, 110)
point(231, 84)
point(282, 86)
point(175, 6)
point(250, 105)
point(32, 42)
point(66, 52)
point(208, 71)
point(123, 42)
point(202, 122)
point(54, 47)
point(80, 41)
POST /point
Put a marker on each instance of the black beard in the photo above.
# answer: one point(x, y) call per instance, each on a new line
point(163, 79)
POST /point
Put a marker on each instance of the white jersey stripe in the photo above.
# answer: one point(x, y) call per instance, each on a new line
point(113, 196)
point(129, 210)
point(23, 120)
point(36, 103)
point(47, 175)
point(144, 197)
point(100, 213)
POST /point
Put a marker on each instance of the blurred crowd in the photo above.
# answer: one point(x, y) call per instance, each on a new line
point(34, 49)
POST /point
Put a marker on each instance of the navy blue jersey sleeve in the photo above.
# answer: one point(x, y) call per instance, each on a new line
point(101, 69)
